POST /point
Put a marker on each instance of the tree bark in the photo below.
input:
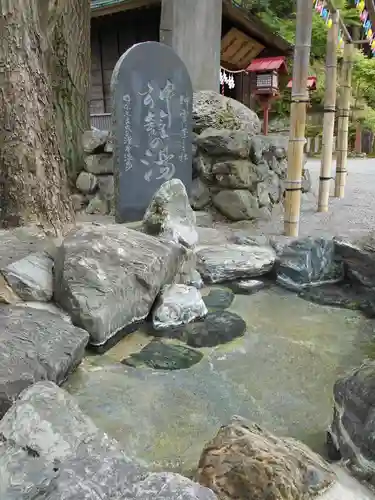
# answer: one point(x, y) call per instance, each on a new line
point(33, 181)
point(69, 39)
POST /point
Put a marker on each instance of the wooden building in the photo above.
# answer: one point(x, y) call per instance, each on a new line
point(116, 25)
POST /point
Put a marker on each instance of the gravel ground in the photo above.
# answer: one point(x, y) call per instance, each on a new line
point(354, 215)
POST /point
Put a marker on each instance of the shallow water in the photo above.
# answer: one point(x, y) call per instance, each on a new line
point(280, 374)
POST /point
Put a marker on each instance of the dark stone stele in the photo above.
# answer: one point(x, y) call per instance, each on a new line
point(218, 327)
point(219, 298)
point(161, 356)
point(152, 126)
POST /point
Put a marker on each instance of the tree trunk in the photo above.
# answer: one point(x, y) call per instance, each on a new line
point(69, 38)
point(33, 182)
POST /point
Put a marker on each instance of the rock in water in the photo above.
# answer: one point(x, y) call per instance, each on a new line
point(35, 345)
point(359, 257)
point(178, 305)
point(352, 429)
point(211, 109)
point(244, 461)
point(31, 277)
point(108, 277)
point(171, 216)
point(219, 298)
point(230, 262)
point(49, 450)
point(161, 356)
point(308, 262)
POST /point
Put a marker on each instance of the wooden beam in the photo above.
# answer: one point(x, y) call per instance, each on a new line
point(122, 7)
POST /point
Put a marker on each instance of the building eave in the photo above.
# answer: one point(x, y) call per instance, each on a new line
point(107, 7)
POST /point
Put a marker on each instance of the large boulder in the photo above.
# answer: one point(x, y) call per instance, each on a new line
point(224, 142)
point(359, 258)
point(107, 277)
point(35, 345)
point(239, 204)
point(308, 262)
point(51, 451)
point(99, 164)
point(178, 305)
point(352, 432)
point(229, 262)
point(170, 215)
point(235, 174)
point(213, 110)
point(246, 461)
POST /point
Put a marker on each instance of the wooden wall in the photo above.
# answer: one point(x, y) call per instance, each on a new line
point(111, 36)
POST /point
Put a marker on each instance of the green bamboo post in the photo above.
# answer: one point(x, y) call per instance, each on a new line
point(300, 99)
point(343, 121)
point(329, 114)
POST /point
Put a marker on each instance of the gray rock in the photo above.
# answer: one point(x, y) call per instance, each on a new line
point(213, 110)
point(229, 262)
point(171, 216)
point(260, 240)
point(99, 164)
point(194, 279)
point(308, 262)
point(35, 345)
point(238, 205)
point(235, 174)
point(204, 219)
point(359, 258)
point(219, 298)
point(31, 278)
point(107, 277)
point(224, 142)
point(268, 147)
point(86, 183)
point(98, 205)
point(202, 167)
point(106, 187)
point(200, 195)
point(247, 287)
point(78, 201)
point(306, 181)
point(177, 305)
point(352, 429)
point(49, 450)
point(268, 191)
point(94, 140)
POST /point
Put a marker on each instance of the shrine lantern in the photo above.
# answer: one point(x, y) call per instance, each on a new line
point(265, 82)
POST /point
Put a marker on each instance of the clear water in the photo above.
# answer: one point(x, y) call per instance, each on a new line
point(280, 374)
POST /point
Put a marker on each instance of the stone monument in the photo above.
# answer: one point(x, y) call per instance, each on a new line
point(152, 126)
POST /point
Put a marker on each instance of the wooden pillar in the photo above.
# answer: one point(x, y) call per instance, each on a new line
point(329, 114)
point(300, 99)
point(343, 120)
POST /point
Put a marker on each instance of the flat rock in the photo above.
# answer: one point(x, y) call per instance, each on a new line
point(245, 461)
point(161, 356)
point(99, 164)
point(359, 258)
point(94, 140)
point(218, 327)
point(224, 142)
point(177, 305)
point(51, 451)
point(171, 216)
point(211, 109)
point(219, 298)
point(308, 262)
point(107, 277)
point(31, 277)
point(238, 205)
point(247, 287)
point(36, 345)
point(230, 262)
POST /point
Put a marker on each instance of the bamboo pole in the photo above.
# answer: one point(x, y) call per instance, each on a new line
point(343, 121)
point(329, 114)
point(300, 98)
